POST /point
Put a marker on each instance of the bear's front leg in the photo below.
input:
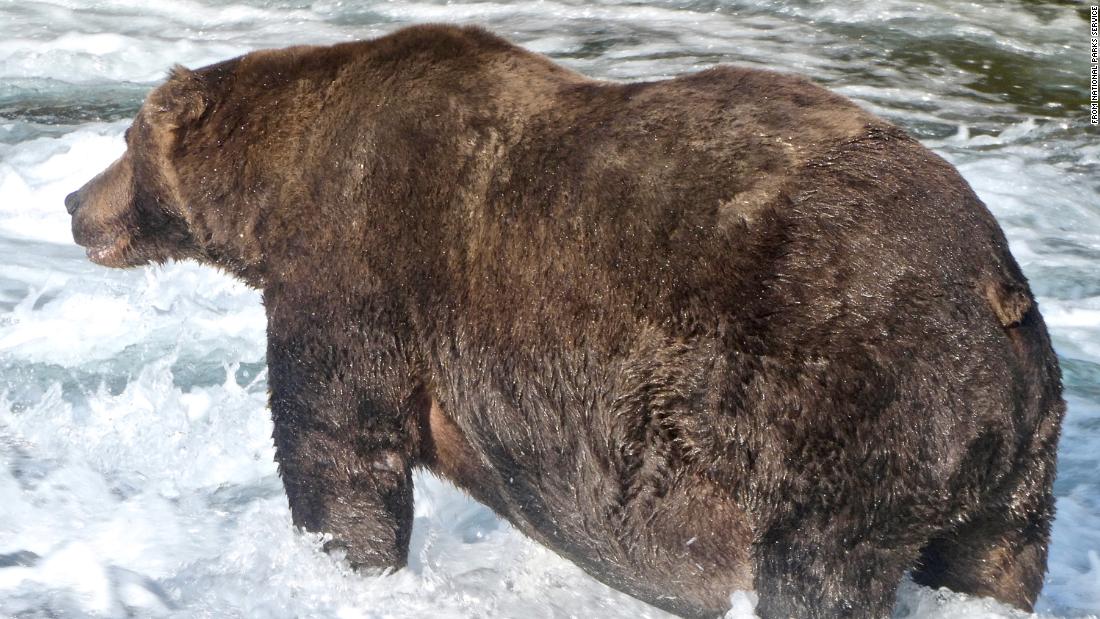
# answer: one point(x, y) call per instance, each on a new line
point(342, 401)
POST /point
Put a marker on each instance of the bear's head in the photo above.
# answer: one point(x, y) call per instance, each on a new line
point(133, 213)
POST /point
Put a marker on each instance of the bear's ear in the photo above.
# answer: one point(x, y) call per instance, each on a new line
point(182, 100)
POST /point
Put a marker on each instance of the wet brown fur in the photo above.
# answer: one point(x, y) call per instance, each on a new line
point(720, 332)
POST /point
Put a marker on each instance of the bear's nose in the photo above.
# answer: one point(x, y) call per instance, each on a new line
point(72, 202)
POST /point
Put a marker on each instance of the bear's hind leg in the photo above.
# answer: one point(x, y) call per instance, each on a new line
point(1001, 555)
point(825, 579)
point(1000, 551)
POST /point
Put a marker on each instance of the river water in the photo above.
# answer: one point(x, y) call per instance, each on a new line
point(136, 473)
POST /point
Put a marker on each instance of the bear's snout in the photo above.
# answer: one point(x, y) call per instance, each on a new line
point(72, 202)
point(102, 205)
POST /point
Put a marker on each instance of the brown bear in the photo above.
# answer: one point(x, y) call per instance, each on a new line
point(721, 332)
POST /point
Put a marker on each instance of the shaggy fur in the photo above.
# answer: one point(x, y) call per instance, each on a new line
point(720, 332)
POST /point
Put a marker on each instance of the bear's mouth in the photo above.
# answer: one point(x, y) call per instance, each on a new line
point(110, 254)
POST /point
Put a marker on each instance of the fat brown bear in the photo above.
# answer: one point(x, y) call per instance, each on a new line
point(721, 332)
